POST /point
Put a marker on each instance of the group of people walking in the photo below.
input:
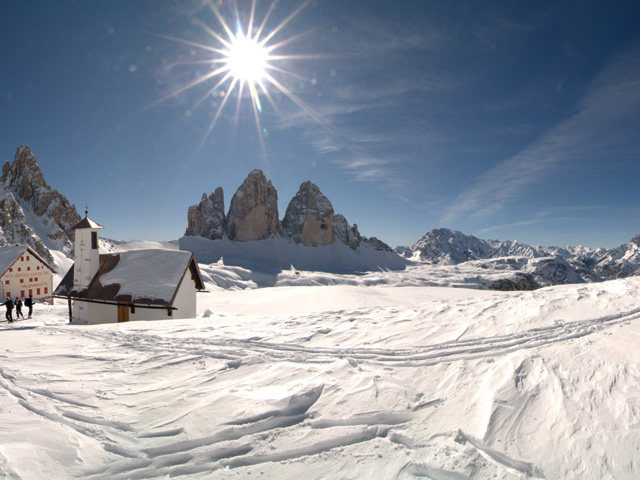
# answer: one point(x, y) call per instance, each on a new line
point(28, 302)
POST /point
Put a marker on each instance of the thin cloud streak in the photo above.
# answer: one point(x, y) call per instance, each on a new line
point(613, 95)
point(533, 221)
point(341, 138)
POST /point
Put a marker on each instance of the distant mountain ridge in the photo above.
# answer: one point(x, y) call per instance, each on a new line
point(569, 264)
point(35, 214)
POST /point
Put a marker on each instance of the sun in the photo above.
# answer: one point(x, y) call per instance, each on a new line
point(247, 59)
point(243, 63)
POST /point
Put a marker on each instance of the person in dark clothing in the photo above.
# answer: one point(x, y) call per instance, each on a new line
point(19, 313)
point(9, 305)
point(29, 304)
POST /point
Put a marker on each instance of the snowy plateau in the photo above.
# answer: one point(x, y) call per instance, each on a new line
point(368, 380)
point(337, 361)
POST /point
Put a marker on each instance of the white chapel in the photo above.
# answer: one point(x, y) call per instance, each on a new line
point(151, 284)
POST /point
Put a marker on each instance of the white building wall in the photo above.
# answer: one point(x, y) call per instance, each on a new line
point(27, 274)
point(185, 301)
point(80, 312)
point(95, 313)
point(87, 259)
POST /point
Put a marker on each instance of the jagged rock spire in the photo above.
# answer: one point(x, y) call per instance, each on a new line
point(207, 219)
point(309, 217)
point(253, 213)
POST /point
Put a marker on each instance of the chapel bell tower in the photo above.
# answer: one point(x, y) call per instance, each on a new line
point(87, 251)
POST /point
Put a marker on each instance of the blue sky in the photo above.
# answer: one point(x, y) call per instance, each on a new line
point(506, 120)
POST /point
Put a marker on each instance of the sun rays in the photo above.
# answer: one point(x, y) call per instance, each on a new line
point(243, 61)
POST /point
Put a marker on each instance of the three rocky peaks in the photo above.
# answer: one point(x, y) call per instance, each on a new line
point(253, 215)
point(33, 213)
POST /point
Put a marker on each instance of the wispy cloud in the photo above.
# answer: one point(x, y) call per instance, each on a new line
point(558, 214)
point(612, 97)
point(358, 148)
point(351, 127)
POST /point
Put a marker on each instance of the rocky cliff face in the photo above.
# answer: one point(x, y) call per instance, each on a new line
point(33, 212)
point(14, 227)
point(207, 219)
point(253, 213)
point(309, 217)
point(345, 233)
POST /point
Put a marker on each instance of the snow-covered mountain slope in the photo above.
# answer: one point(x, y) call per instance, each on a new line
point(271, 256)
point(572, 264)
point(399, 383)
point(501, 275)
point(449, 247)
point(32, 212)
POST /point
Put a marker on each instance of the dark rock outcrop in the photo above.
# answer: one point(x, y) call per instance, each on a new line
point(522, 281)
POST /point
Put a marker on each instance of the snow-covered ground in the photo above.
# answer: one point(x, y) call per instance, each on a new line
point(220, 276)
point(275, 254)
point(360, 381)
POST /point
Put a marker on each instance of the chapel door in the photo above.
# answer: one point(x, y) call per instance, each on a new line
point(123, 313)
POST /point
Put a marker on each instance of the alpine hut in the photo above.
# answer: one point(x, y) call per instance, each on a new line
point(24, 273)
point(151, 284)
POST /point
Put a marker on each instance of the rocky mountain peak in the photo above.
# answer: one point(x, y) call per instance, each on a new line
point(253, 213)
point(635, 240)
point(207, 219)
point(24, 173)
point(257, 175)
point(309, 217)
point(346, 233)
point(445, 246)
point(34, 213)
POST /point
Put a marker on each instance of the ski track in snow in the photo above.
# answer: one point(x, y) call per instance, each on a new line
point(207, 400)
point(257, 351)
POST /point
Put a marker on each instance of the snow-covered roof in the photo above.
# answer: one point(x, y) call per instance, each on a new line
point(11, 253)
point(86, 222)
point(149, 276)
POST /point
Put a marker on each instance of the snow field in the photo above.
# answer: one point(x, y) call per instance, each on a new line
point(332, 382)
